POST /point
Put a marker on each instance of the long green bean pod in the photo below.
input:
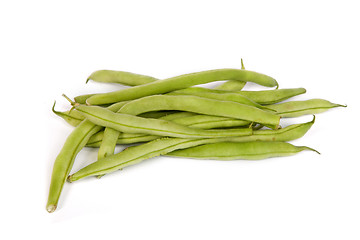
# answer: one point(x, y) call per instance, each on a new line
point(245, 150)
point(65, 159)
point(122, 77)
point(133, 124)
point(162, 146)
point(232, 85)
point(201, 105)
point(180, 82)
point(288, 133)
point(300, 108)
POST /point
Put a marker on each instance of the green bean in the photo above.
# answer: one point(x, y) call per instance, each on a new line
point(198, 121)
point(110, 76)
point(187, 103)
point(209, 122)
point(124, 138)
point(72, 117)
point(157, 114)
point(273, 96)
point(233, 97)
point(232, 85)
point(65, 159)
point(162, 146)
point(133, 124)
point(260, 97)
point(125, 78)
point(288, 133)
point(180, 82)
point(243, 150)
point(81, 99)
point(201, 105)
point(176, 115)
point(299, 108)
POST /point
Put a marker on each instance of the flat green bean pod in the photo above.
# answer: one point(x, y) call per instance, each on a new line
point(233, 97)
point(81, 99)
point(244, 150)
point(201, 105)
point(162, 146)
point(300, 108)
point(232, 85)
point(181, 82)
point(65, 159)
point(288, 133)
point(260, 97)
point(125, 78)
point(133, 124)
point(273, 96)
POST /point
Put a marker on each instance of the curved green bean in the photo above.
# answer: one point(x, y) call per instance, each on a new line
point(65, 159)
point(232, 85)
point(125, 78)
point(133, 124)
point(162, 146)
point(180, 82)
point(300, 108)
point(201, 105)
point(233, 97)
point(273, 96)
point(72, 117)
point(288, 133)
point(244, 150)
point(261, 97)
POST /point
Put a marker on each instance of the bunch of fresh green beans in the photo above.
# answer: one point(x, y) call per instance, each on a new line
point(171, 117)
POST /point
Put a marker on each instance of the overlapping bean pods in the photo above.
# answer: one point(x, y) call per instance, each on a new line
point(173, 117)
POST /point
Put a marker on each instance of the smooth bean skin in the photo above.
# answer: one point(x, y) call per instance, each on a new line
point(133, 124)
point(134, 155)
point(233, 97)
point(162, 146)
point(273, 96)
point(203, 106)
point(65, 159)
point(244, 150)
point(181, 82)
point(125, 78)
point(233, 85)
point(300, 108)
point(186, 103)
point(74, 118)
point(261, 97)
point(288, 133)
point(81, 99)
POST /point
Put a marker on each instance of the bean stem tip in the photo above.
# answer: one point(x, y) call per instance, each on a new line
point(51, 208)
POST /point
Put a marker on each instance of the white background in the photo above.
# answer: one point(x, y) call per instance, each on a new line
point(48, 48)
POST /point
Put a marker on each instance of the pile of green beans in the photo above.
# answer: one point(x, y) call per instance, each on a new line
point(175, 118)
